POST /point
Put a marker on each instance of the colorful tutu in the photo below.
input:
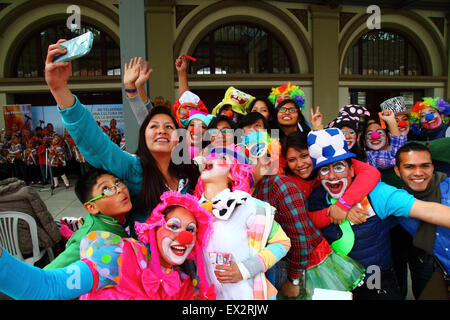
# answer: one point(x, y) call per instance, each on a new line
point(329, 270)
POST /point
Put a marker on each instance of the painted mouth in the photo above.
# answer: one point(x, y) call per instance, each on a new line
point(178, 249)
point(335, 187)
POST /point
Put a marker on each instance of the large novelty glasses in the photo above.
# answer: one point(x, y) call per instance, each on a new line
point(109, 191)
point(338, 167)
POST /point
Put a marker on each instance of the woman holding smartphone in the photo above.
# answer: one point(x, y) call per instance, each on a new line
point(150, 172)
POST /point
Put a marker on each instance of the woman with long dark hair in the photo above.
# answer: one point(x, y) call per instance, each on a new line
point(290, 118)
point(150, 172)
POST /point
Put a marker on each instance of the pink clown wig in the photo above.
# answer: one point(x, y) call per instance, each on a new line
point(147, 232)
point(240, 169)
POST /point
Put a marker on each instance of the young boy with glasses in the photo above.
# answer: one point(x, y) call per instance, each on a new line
point(107, 201)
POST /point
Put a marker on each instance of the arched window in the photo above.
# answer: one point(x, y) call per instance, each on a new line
point(103, 60)
point(384, 53)
point(240, 48)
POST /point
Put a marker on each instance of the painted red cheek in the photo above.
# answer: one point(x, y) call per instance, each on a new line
point(185, 237)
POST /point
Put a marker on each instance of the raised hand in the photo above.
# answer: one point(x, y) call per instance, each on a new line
point(56, 73)
point(316, 119)
point(131, 72)
point(181, 64)
point(144, 74)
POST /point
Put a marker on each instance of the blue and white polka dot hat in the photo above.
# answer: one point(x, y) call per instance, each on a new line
point(327, 146)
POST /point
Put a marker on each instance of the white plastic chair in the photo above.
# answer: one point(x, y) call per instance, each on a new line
point(9, 236)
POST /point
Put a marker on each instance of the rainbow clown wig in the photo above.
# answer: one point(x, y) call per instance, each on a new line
point(295, 93)
point(439, 104)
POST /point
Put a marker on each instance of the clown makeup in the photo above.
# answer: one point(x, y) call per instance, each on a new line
point(280, 98)
point(216, 168)
point(177, 237)
point(430, 118)
point(350, 136)
point(403, 123)
point(184, 111)
point(196, 129)
point(375, 137)
point(335, 177)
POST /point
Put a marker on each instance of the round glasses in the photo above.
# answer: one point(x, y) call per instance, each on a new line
point(338, 167)
point(109, 191)
point(215, 132)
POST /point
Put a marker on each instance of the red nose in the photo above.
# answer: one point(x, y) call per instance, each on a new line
point(195, 130)
point(375, 135)
point(185, 237)
point(229, 113)
point(402, 124)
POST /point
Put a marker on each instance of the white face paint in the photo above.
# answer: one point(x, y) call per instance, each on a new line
point(375, 137)
point(175, 252)
point(335, 188)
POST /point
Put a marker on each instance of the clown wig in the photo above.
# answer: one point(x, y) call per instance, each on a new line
point(442, 106)
point(294, 91)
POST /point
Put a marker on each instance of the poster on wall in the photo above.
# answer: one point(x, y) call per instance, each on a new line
point(104, 113)
point(18, 117)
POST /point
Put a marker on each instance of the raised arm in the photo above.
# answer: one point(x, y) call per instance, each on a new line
point(181, 66)
point(57, 74)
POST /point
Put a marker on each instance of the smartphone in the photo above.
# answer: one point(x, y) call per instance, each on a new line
point(76, 47)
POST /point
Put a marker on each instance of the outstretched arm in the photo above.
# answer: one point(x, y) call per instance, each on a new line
point(431, 212)
point(22, 281)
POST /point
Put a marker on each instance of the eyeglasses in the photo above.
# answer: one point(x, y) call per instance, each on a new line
point(283, 110)
point(338, 167)
point(174, 225)
point(109, 192)
point(215, 132)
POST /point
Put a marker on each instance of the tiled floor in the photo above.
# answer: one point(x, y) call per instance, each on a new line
point(61, 202)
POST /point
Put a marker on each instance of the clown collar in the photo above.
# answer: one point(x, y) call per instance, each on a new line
point(225, 203)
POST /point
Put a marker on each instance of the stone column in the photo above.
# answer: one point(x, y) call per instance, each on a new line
point(325, 48)
point(160, 39)
point(133, 31)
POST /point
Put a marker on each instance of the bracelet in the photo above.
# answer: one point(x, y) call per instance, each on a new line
point(131, 90)
point(345, 204)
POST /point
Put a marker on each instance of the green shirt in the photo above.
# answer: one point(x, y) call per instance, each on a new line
point(93, 222)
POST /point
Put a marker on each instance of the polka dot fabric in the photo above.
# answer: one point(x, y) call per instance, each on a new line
point(104, 250)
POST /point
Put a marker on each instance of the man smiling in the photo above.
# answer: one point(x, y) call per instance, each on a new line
point(415, 168)
point(367, 243)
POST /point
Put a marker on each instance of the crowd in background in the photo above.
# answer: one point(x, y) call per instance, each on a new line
point(41, 156)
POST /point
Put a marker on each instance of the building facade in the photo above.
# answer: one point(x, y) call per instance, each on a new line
point(337, 53)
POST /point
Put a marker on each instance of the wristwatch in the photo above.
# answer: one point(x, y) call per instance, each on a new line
point(295, 282)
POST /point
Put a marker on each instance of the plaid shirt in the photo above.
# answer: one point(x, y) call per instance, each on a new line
point(284, 195)
point(385, 159)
